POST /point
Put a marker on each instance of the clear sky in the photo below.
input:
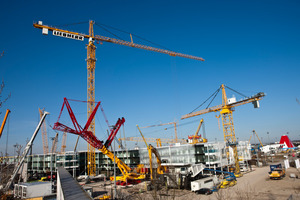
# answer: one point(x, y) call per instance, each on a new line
point(250, 46)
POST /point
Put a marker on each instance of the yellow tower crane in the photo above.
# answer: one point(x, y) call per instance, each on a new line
point(63, 143)
point(44, 133)
point(158, 141)
point(175, 128)
point(91, 61)
point(226, 109)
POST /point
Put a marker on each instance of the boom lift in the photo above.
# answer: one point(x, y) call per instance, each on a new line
point(91, 65)
point(25, 152)
point(88, 136)
point(226, 109)
point(4, 122)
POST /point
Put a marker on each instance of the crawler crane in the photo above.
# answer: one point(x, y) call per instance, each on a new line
point(91, 65)
point(226, 109)
point(87, 135)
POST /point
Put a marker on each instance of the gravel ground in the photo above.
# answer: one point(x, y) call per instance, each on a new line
point(252, 185)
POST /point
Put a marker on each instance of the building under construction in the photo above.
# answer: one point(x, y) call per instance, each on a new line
point(212, 155)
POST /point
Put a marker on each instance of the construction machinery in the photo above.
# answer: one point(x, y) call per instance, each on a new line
point(87, 135)
point(194, 139)
point(229, 179)
point(151, 149)
point(226, 109)
point(54, 144)
point(44, 133)
point(63, 143)
point(276, 172)
point(25, 152)
point(254, 132)
point(4, 121)
point(91, 64)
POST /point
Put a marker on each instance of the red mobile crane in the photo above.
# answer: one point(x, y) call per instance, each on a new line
point(127, 172)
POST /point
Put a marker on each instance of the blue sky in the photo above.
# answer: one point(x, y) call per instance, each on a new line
point(250, 46)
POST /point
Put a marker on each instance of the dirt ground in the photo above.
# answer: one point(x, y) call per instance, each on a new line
point(252, 185)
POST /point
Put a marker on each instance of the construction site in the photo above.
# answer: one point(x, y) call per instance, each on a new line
point(145, 163)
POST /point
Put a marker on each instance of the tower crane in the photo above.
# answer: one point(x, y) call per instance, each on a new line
point(91, 64)
point(63, 143)
point(44, 133)
point(175, 128)
point(158, 141)
point(226, 109)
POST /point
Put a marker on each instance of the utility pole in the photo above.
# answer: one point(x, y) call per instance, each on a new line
point(52, 138)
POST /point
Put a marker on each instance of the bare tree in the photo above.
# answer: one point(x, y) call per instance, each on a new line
point(2, 101)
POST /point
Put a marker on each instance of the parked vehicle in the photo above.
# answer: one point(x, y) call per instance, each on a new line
point(277, 172)
point(205, 191)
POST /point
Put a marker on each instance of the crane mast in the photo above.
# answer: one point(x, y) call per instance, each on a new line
point(91, 64)
point(91, 61)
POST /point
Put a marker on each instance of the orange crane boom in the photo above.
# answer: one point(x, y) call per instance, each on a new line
point(63, 143)
point(91, 63)
point(4, 121)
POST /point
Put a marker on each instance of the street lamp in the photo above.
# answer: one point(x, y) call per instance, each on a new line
point(268, 137)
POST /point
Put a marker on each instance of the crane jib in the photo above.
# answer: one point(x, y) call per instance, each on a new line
point(68, 35)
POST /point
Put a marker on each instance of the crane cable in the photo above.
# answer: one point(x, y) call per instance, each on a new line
point(101, 26)
point(215, 93)
point(214, 96)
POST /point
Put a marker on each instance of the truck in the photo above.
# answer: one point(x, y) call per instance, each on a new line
point(276, 172)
